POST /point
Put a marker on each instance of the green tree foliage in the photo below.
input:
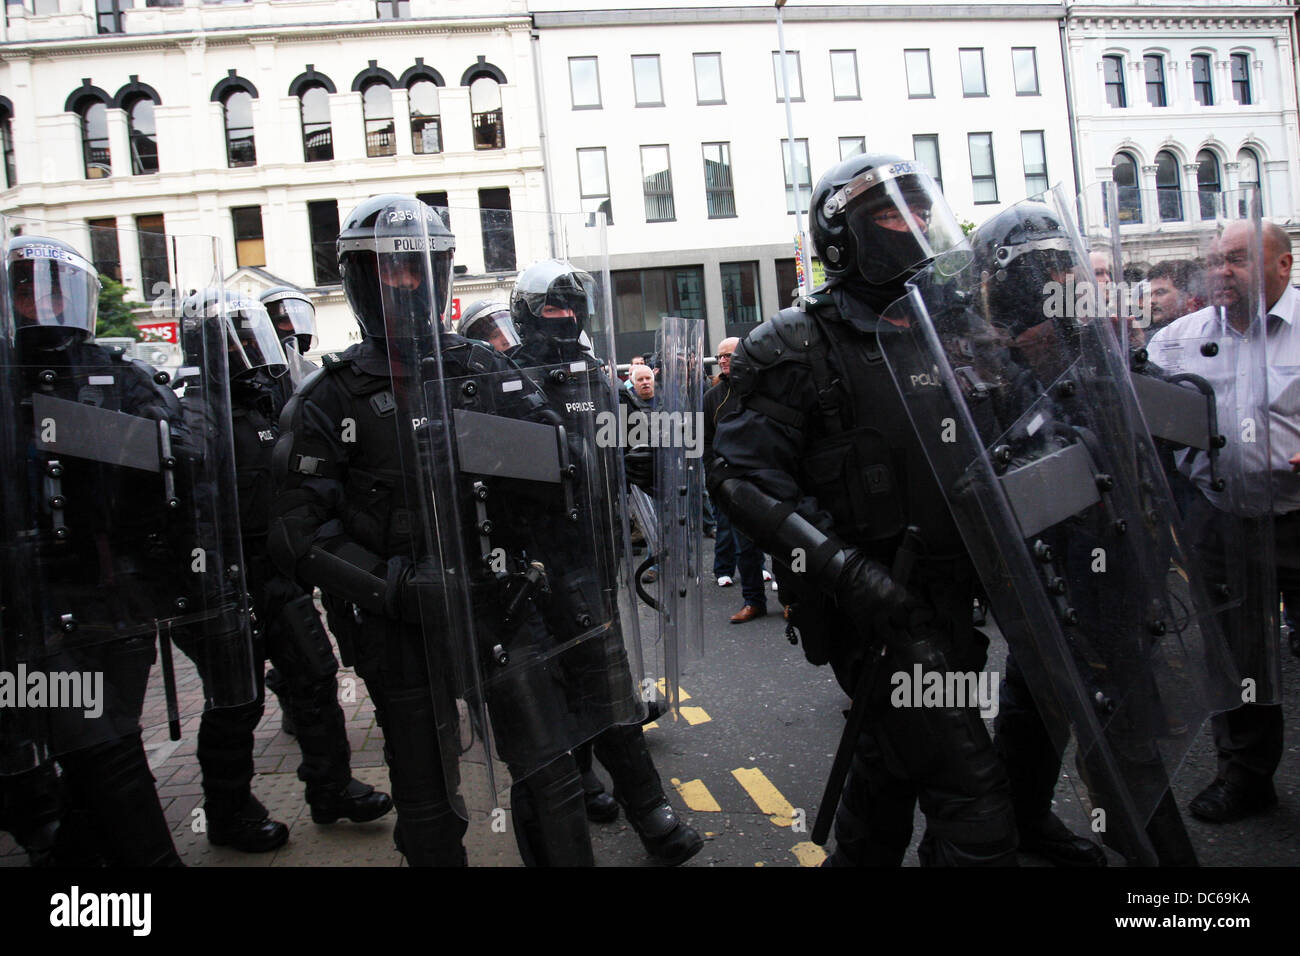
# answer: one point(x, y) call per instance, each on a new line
point(115, 311)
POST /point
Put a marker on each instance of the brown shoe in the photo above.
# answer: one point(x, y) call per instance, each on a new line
point(747, 614)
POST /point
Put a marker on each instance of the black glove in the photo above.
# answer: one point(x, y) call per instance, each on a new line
point(864, 589)
point(639, 464)
point(415, 589)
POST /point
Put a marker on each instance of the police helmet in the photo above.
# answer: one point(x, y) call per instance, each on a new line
point(54, 292)
point(395, 259)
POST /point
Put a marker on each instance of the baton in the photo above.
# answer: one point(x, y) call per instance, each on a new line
point(904, 559)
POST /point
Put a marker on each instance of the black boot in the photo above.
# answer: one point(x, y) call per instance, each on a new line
point(1054, 841)
point(249, 829)
point(663, 834)
point(277, 685)
point(356, 801)
point(601, 807)
point(637, 788)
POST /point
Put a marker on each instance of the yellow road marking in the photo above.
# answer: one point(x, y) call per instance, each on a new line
point(653, 725)
point(694, 715)
point(696, 796)
point(663, 689)
point(808, 853)
point(768, 799)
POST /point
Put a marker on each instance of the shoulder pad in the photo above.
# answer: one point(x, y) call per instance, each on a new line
point(786, 337)
point(335, 360)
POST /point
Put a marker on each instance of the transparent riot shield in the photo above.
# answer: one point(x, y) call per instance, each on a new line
point(1204, 377)
point(674, 430)
point(513, 530)
point(1020, 395)
point(122, 534)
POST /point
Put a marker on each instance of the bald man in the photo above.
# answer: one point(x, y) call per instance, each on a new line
point(1249, 739)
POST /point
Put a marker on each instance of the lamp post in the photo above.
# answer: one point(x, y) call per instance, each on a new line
point(803, 254)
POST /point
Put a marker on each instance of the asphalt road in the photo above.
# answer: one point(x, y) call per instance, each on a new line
point(757, 737)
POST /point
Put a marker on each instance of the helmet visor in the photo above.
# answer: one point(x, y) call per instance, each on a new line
point(564, 300)
point(495, 328)
point(252, 340)
point(295, 322)
point(51, 288)
point(899, 221)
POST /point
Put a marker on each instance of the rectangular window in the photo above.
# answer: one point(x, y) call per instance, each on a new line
point(708, 79)
point(1241, 78)
point(104, 251)
point(787, 281)
point(802, 173)
point(1113, 71)
point(983, 177)
point(657, 183)
point(918, 73)
point(972, 72)
point(925, 147)
point(739, 293)
point(852, 145)
point(392, 9)
point(844, 75)
point(323, 219)
point(794, 70)
point(1154, 68)
point(498, 226)
point(1034, 152)
point(154, 271)
point(1024, 61)
point(108, 15)
point(584, 82)
point(646, 81)
point(250, 248)
point(1202, 88)
point(718, 193)
point(593, 182)
point(438, 201)
point(642, 297)
point(44, 8)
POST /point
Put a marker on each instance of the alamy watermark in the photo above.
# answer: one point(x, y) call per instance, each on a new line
point(654, 429)
point(946, 689)
point(71, 690)
point(1088, 300)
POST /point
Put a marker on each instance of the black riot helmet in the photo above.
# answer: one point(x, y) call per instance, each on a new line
point(879, 218)
point(53, 291)
point(1019, 253)
point(251, 340)
point(552, 304)
point(293, 316)
point(488, 321)
point(395, 258)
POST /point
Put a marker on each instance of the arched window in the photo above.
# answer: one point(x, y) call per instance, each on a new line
point(237, 108)
point(485, 106)
point(143, 135)
point(1208, 186)
point(94, 138)
point(317, 136)
point(426, 126)
point(1125, 174)
point(1248, 175)
point(377, 109)
point(7, 142)
point(1168, 187)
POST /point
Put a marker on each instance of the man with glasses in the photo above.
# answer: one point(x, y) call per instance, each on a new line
point(732, 549)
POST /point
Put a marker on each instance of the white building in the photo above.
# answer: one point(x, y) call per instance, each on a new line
point(669, 117)
point(264, 123)
point(1181, 97)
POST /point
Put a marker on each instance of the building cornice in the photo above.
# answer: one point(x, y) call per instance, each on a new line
point(796, 14)
point(165, 41)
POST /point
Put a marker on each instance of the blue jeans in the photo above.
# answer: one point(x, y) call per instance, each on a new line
point(732, 549)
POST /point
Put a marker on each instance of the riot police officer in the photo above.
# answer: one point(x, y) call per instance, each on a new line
point(350, 518)
point(822, 469)
point(552, 306)
point(488, 321)
point(92, 541)
point(293, 316)
point(291, 628)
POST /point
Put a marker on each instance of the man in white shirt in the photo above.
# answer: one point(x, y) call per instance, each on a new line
point(1248, 739)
